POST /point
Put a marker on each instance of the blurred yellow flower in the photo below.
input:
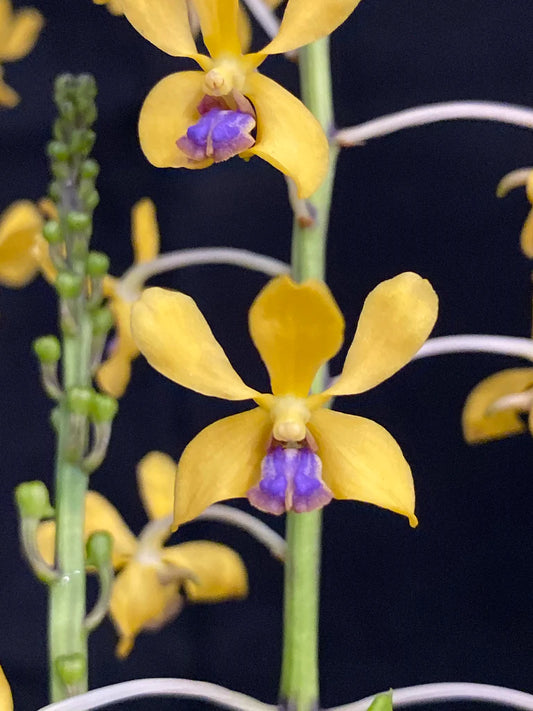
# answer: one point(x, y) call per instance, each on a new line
point(514, 179)
point(193, 119)
point(275, 454)
point(114, 374)
point(114, 6)
point(23, 249)
point(19, 31)
point(6, 700)
point(155, 581)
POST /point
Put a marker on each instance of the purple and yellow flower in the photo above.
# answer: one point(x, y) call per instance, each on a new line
point(19, 31)
point(193, 119)
point(155, 580)
point(291, 452)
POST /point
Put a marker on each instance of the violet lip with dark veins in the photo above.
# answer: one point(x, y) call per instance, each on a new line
point(218, 134)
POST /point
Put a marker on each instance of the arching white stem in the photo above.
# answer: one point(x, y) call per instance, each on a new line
point(449, 691)
point(264, 16)
point(431, 113)
point(138, 688)
point(133, 280)
point(472, 343)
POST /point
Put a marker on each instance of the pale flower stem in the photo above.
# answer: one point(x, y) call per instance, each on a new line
point(264, 16)
point(431, 113)
point(252, 525)
point(133, 280)
point(138, 688)
point(472, 343)
point(449, 691)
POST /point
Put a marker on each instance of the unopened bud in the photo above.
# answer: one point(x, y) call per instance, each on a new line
point(103, 407)
point(79, 400)
point(68, 285)
point(33, 500)
point(47, 349)
point(97, 264)
point(99, 548)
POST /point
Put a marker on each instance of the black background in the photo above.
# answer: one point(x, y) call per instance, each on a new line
point(450, 600)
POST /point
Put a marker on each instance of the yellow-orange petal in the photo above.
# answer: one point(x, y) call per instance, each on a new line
point(114, 373)
point(20, 227)
point(479, 423)
point(222, 462)
point(396, 319)
point(144, 231)
point(362, 461)
point(20, 35)
point(140, 600)
point(289, 137)
point(156, 476)
point(296, 328)
point(526, 236)
point(219, 25)
point(6, 700)
point(8, 96)
point(168, 111)
point(304, 22)
point(217, 572)
point(164, 23)
point(176, 340)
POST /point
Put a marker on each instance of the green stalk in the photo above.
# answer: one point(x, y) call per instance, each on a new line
point(299, 687)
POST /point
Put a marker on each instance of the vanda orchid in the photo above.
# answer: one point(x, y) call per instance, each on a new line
point(192, 119)
point(291, 453)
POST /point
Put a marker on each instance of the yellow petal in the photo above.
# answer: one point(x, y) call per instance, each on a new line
point(526, 236)
point(481, 425)
point(296, 328)
point(168, 111)
point(144, 231)
point(20, 226)
point(21, 34)
point(8, 96)
point(222, 462)
point(288, 135)
point(100, 515)
point(164, 23)
point(218, 573)
point(176, 340)
point(41, 254)
point(114, 374)
point(362, 461)
point(304, 22)
point(244, 29)
point(6, 700)
point(156, 476)
point(218, 22)
point(529, 187)
point(396, 319)
point(140, 600)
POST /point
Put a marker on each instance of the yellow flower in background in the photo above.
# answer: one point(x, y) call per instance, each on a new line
point(114, 374)
point(155, 581)
point(19, 31)
point(514, 179)
point(290, 453)
point(23, 249)
point(114, 6)
point(6, 700)
point(193, 119)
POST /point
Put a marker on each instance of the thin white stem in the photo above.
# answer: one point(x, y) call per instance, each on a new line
point(138, 688)
point(431, 113)
point(264, 16)
point(449, 691)
point(252, 525)
point(133, 280)
point(472, 343)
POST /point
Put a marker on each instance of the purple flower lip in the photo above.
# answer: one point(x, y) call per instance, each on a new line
point(291, 480)
point(219, 134)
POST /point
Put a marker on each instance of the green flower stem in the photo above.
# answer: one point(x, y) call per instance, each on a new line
point(299, 688)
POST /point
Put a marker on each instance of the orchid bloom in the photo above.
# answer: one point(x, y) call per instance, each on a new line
point(18, 34)
point(22, 246)
point(6, 700)
point(290, 453)
point(114, 374)
point(154, 581)
point(193, 119)
point(514, 179)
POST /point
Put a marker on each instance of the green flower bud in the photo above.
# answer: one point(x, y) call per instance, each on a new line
point(67, 109)
point(78, 221)
point(87, 85)
point(68, 285)
point(57, 150)
point(92, 200)
point(52, 232)
point(102, 320)
point(72, 668)
point(82, 140)
point(99, 548)
point(79, 400)
point(63, 85)
point(47, 349)
point(32, 500)
point(60, 171)
point(103, 407)
point(54, 191)
point(89, 168)
point(97, 264)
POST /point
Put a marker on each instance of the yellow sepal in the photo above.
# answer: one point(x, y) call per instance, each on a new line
point(20, 228)
point(219, 26)
point(19, 31)
point(6, 700)
point(156, 477)
point(145, 237)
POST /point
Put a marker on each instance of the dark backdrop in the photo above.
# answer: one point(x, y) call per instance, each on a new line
point(450, 600)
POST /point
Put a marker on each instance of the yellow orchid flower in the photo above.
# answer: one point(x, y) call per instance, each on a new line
point(19, 31)
point(154, 581)
point(23, 249)
point(514, 179)
point(114, 374)
point(290, 452)
point(193, 119)
point(6, 700)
